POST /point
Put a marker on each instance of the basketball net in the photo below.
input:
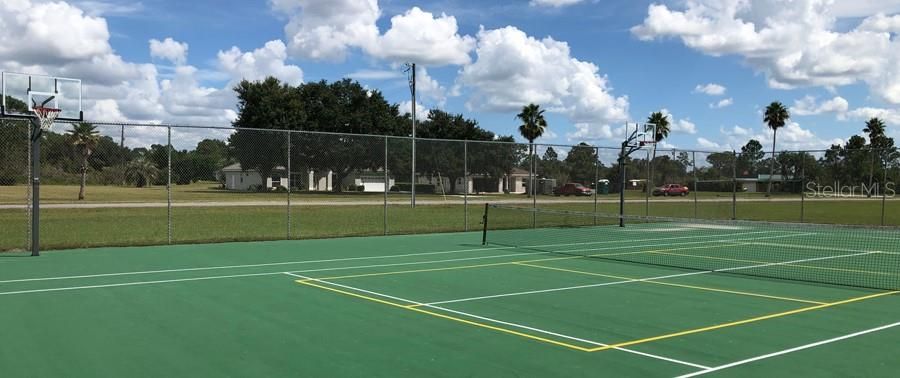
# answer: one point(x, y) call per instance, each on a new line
point(46, 116)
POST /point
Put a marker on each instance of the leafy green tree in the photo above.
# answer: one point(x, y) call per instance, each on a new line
point(749, 160)
point(775, 117)
point(532, 127)
point(141, 171)
point(582, 163)
point(14, 145)
point(85, 138)
point(552, 167)
point(445, 158)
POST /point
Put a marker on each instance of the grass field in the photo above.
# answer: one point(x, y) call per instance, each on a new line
point(444, 305)
point(74, 228)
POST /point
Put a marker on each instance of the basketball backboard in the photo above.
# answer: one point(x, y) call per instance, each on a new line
point(22, 92)
point(640, 135)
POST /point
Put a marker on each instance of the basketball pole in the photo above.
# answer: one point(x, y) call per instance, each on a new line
point(35, 186)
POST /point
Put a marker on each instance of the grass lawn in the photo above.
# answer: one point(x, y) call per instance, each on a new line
point(71, 228)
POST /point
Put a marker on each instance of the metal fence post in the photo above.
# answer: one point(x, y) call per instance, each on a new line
point(288, 133)
point(596, 180)
point(734, 184)
point(802, 186)
point(169, 184)
point(647, 185)
point(387, 184)
point(694, 171)
point(882, 187)
point(465, 184)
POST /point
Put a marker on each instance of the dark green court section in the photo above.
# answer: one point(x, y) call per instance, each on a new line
point(230, 310)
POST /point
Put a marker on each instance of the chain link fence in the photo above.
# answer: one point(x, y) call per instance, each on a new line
point(144, 184)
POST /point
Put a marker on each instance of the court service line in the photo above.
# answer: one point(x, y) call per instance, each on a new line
point(791, 350)
point(175, 270)
point(644, 279)
point(322, 285)
point(704, 288)
point(746, 321)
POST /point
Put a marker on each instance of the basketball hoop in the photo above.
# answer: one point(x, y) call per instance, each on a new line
point(46, 116)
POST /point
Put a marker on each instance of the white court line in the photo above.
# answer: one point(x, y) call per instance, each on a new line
point(135, 283)
point(533, 329)
point(813, 247)
point(336, 268)
point(791, 350)
point(645, 279)
point(348, 259)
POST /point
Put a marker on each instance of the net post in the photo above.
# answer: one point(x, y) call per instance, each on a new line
point(35, 187)
point(484, 222)
point(647, 185)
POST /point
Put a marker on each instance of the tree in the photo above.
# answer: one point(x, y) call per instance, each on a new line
point(141, 171)
point(775, 117)
point(14, 145)
point(881, 146)
point(443, 158)
point(582, 163)
point(85, 138)
point(532, 127)
point(751, 156)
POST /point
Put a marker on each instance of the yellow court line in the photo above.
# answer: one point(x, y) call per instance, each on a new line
point(674, 284)
point(663, 252)
point(453, 318)
point(741, 322)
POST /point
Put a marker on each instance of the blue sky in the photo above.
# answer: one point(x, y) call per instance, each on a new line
point(635, 56)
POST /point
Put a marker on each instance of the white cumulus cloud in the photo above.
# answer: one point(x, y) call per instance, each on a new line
point(711, 89)
point(513, 69)
point(268, 60)
point(723, 103)
point(795, 43)
point(169, 49)
point(808, 106)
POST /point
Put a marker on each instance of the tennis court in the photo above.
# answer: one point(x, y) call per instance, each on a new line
point(548, 294)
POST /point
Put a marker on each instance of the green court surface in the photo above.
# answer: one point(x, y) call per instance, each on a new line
point(446, 305)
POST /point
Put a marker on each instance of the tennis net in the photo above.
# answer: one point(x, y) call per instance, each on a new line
point(830, 254)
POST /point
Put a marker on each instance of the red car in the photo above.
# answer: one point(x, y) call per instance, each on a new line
point(671, 190)
point(573, 189)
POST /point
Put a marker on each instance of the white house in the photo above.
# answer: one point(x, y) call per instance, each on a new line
point(238, 179)
point(516, 182)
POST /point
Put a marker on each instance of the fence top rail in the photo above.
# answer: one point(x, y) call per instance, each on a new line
point(397, 137)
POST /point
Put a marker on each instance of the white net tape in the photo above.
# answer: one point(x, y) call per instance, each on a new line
point(46, 116)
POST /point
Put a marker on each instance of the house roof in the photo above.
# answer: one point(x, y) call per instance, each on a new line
point(236, 167)
point(518, 172)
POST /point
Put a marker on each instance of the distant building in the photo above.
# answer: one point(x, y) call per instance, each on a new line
point(238, 179)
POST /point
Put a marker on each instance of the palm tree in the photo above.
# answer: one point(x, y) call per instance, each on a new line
point(141, 171)
point(776, 116)
point(661, 122)
point(532, 127)
point(875, 127)
point(85, 138)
